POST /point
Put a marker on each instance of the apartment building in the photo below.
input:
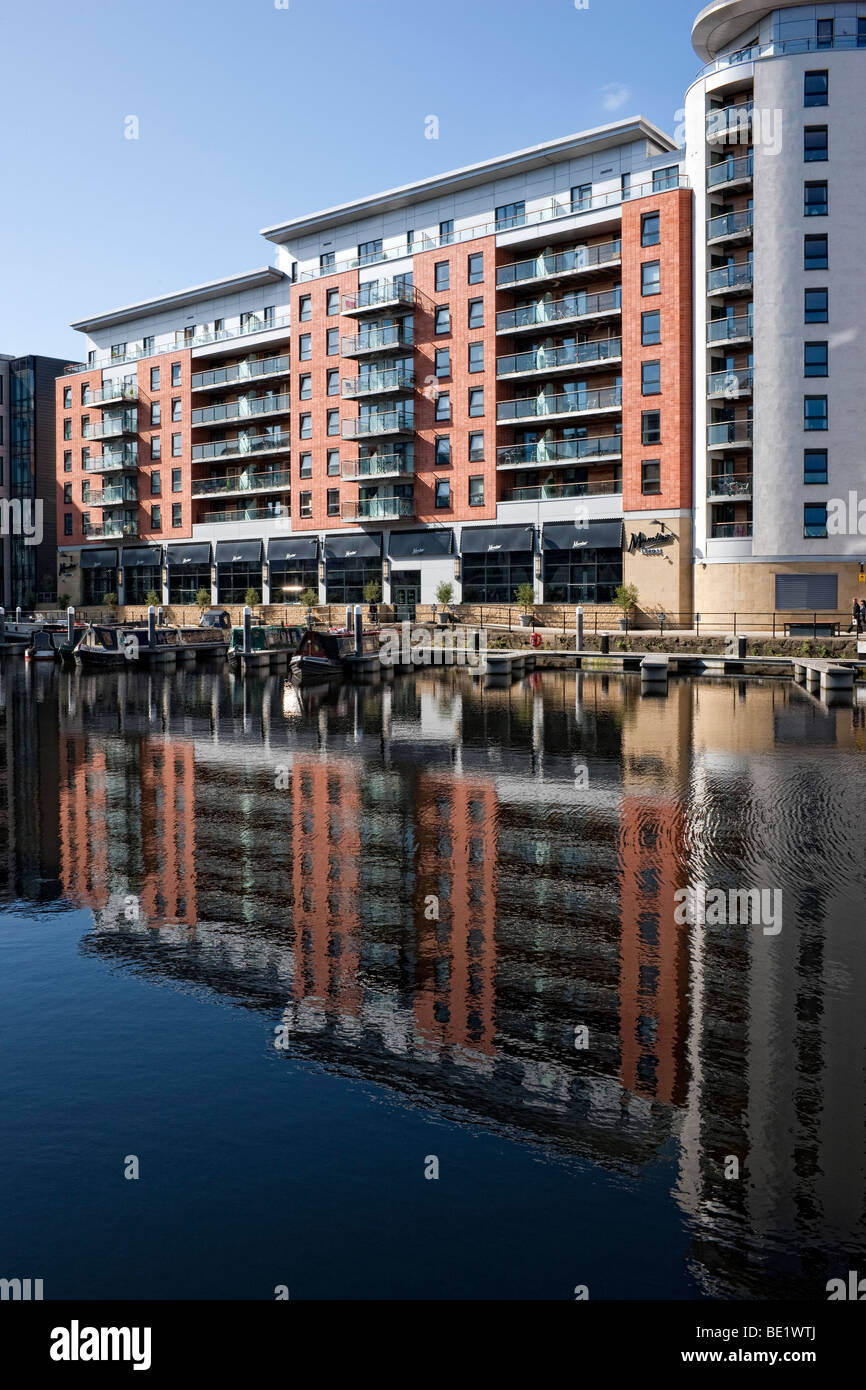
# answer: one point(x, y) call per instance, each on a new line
point(482, 378)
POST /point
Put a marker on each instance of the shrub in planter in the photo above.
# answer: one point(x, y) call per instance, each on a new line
point(525, 596)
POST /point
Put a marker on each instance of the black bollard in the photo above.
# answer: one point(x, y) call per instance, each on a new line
point(605, 644)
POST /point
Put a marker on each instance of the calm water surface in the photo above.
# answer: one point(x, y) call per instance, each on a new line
point(220, 953)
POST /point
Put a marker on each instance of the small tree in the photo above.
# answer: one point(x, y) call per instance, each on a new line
point(202, 599)
point(444, 593)
point(625, 599)
point(152, 598)
point(110, 600)
point(372, 591)
point(64, 600)
point(251, 598)
point(309, 598)
point(525, 596)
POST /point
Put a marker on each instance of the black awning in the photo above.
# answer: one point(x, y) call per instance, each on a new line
point(196, 553)
point(139, 557)
point(347, 547)
point(99, 559)
point(595, 535)
point(476, 540)
point(416, 544)
point(293, 548)
point(239, 552)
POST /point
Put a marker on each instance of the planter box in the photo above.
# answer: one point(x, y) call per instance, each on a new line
point(526, 619)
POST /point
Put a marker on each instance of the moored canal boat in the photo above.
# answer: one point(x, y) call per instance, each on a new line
point(267, 643)
point(325, 653)
point(41, 647)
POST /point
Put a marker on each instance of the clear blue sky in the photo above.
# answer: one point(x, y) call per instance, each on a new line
point(250, 114)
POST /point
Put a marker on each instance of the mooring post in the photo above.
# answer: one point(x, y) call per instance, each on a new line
point(151, 627)
point(349, 619)
point(248, 630)
point(578, 628)
point(70, 625)
point(18, 614)
point(160, 616)
point(359, 628)
point(2, 626)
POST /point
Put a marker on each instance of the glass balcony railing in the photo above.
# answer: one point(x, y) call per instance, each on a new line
point(253, 323)
point(378, 466)
point(559, 263)
point(559, 451)
point(377, 509)
point(543, 359)
point(728, 330)
point(111, 530)
point(241, 482)
point(126, 457)
point(571, 306)
point(780, 48)
point(730, 224)
point(247, 444)
point(241, 371)
point(553, 492)
point(730, 530)
point(242, 410)
point(729, 486)
point(112, 497)
point(566, 403)
point(113, 429)
point(114, 391)
point(379, 422)
point(730, 277)
point(380, 339)
point(727, 122)
point(736, 382)
point(243, 514)
point(379, 383)
point(729, 432)
point(376, 294)
point(734, 169)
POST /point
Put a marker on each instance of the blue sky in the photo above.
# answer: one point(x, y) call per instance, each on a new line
point(249, 114)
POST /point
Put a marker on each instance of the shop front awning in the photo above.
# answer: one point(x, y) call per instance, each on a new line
point(99, 559)
point(195, 553)
point(594, 535)
point(481, 540)
point(239, 552)
point(286, 551)
point(420, 544)
point(350, 547)
point(141, 557)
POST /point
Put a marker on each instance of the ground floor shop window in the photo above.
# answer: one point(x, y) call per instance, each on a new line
point(496, 576)
point(581, 576)
point(96, 583)
point(345, 579)
point(287, 584)
point(184, 582)
point(138, 583)
point(235, 579)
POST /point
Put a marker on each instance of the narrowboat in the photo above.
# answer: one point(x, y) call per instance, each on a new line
point(325, 653)
point(102, 646)
point(41, 647)
point(267, 642)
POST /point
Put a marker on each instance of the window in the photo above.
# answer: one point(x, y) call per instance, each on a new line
point(476, 400)
point(816, 306)
point(118, 350)
point(510, 215)
point(332, 380)
point(650, 229)
point(175, 446)
point(306, 504)
point(443, 493)
point(333, 422)
point(665, 178)
point(815, 200)
point(332, 342)
point(175, 408)
point(156, 446)
point(443, 451)
point(326, 260)
point(85, 458)
point(651, 427)
point(476, 313)
point(650, 378)
point(443, 405)
point(650, 328)
point(442, 272)
point(814, 465)
point(305, 349)
point(305, 386)
point(175, 374)
point(815, 143)
point(176, 514)
point(650, 277)
point(815, 252)
point(816, 88)
point(85, 493)
point(861, 33)
point(476, 447)
point(155, 413)
point(156, 483)
point(476, 491)
point(332, 303)
point(219, 325)
point(305, 308)
point(67, 398)
point(306, 462)
point(625, 186)
point(156, 518)
point(369, 251)
point(67, 523)
point(67, 429)
point(176, 485)
point(825, 33)
point(475, 267)
point(67, 461)
point(446, 231)
point(442, 320)
point(815, 412)
point(815, 361)
point(333, 501)
point(306, 426)
point(154, 378)
point(476, 357)
point(581, 197)
point(443, 362)
point(651, 476)
point(815, 520)
point(67, 493)
point(333, 463)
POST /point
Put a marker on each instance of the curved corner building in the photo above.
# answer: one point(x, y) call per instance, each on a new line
point(775, 155)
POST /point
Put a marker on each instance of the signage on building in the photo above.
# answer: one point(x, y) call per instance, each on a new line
point(649, 545)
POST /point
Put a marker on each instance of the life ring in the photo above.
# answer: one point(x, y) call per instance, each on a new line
point(535, 639)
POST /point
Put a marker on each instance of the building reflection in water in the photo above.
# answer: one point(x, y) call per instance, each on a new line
point(415, 881)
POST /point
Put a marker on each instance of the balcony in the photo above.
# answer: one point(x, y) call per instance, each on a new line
point(241, 410)
point(560, 451)
point(113, 459)
point(127, 423)
point(241, 482)
point(730, 530)
point(252, 323)
point(247, 514)
point(378, 509)
point(392, 381)
point(111, 530)
point(728, 487)
point(542, 361)
point(734, 329)
point(559, 265)
point(730, 279)
point(114, 393)
point(240, 372)
point(730, 432)
point(248, 445)
point(730, 125)
point(379, 423)
point(112, 497)
point(573, 308)
point(378, 295)
point(558, 407)
point(730, 226)
point(730, 172)
point(393, 337)
point(730, 385)
point(378, 466)
point(556, 492)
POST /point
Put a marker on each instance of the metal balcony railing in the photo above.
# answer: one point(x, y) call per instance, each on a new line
point(729, 432)
point(737, 382)
point(572, 306)
point(377, 509)
point(567, 403)
point(242, 410)
point(377, 466)
point(379, 339)
point(730, 277)
point(730, 224)
point(727, 330)
point(553, 492)
point(559, 263)
point(730, 530)
point(379, 294)
point(241, 482)
point(249, 444)
point(378, 423)
point(542, 359)
point(559, 451)
point(241, 371)
point(729, 486)
point(734, 169)
point(379, 383)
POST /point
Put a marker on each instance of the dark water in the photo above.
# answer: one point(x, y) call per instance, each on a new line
point(220, 953)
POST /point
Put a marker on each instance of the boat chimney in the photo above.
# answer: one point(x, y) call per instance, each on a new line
point(70, 625)
point(248, 634)
point(151, 626)
point(359, 628)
